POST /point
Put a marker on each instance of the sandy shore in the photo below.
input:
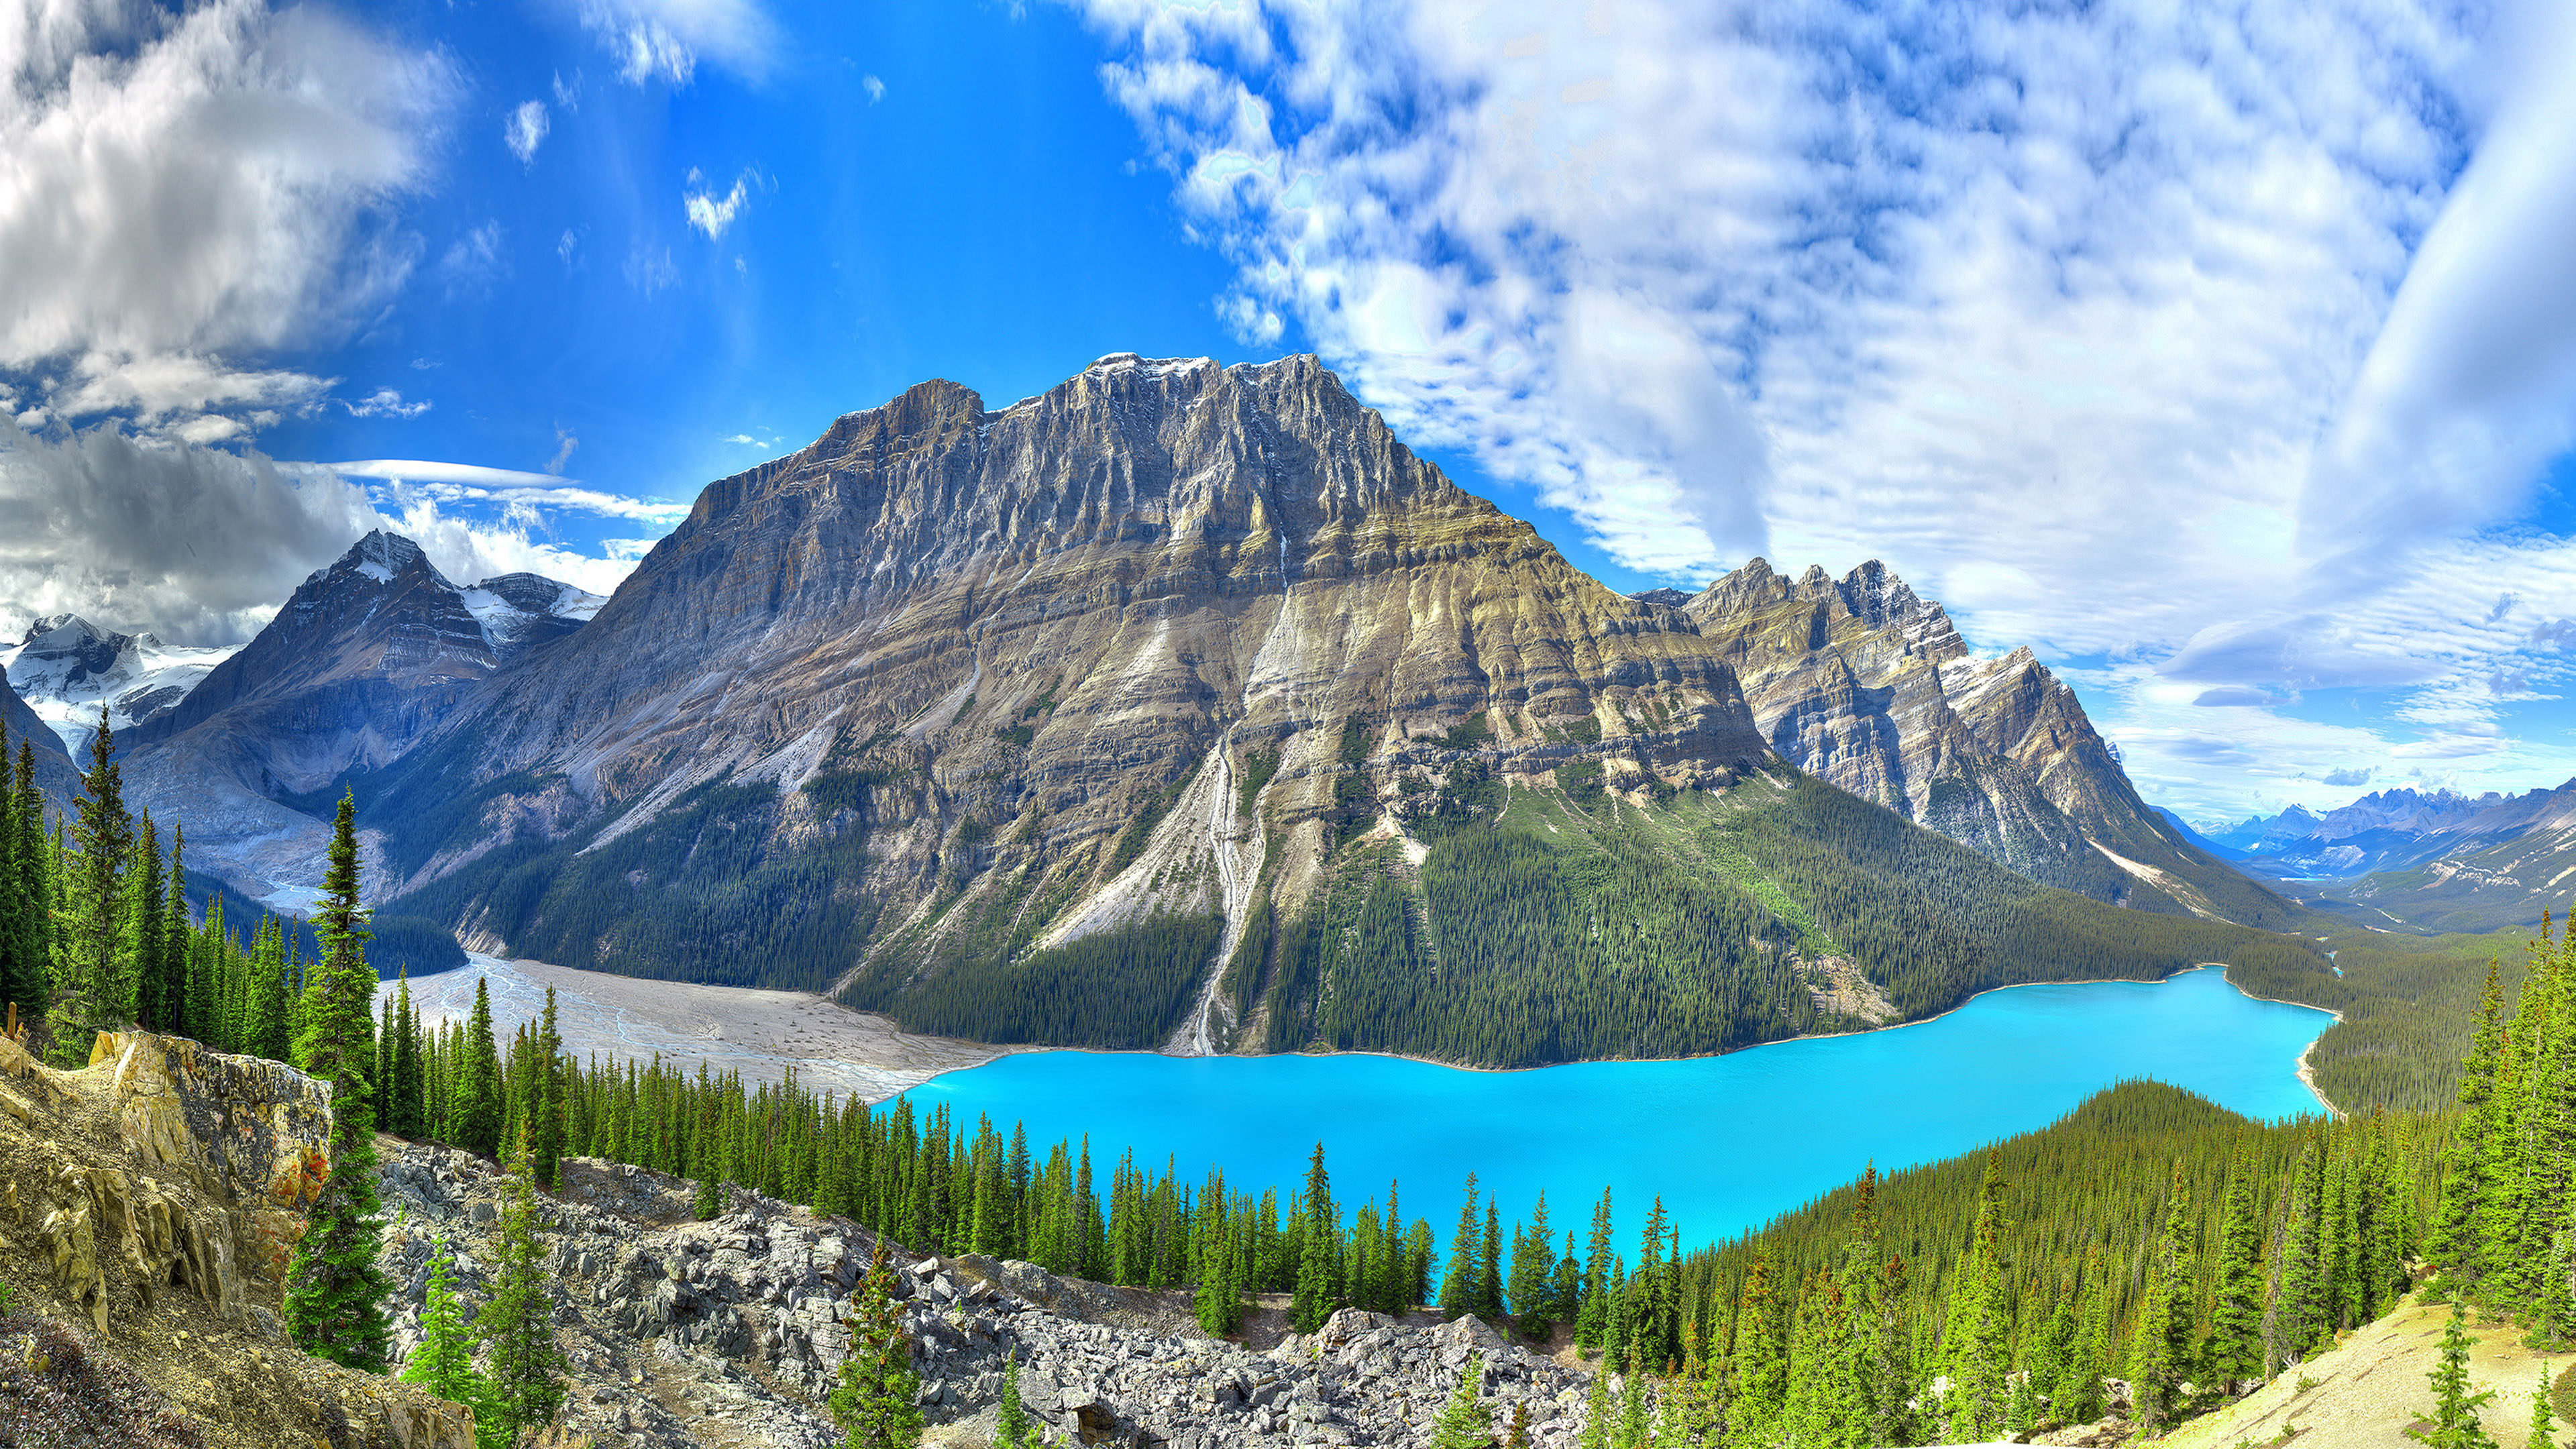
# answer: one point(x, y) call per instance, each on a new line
point(760, 1034)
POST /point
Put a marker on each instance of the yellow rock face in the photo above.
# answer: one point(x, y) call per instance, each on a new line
point(154, 1198)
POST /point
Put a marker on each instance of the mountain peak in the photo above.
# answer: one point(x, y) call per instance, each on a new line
point(380, 557)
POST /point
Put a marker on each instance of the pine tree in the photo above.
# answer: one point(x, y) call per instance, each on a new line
point(2453, 1424)
point(1634, 1421)
point(1592, 1317)
point(174, 942)
point(2161, 1362)
point(1596, 1412)
point(407, 1094)
point(29, 885)
point(2298, 1307)
point(2234, 1352)
point(2077, 1396)
point(335, 1296)
point(1465, 1422)
point(271, 1031)
point(875, 1401)
point(1533, 1259)
point(16, 962)
point(517, 1325)
point(1458, 1283)
point(444, 1362)
point(89, 995)
point(1760, 1388)
point(1316, 1293)
point(476, 1115)
point(2544, 1420)
point(143, 994)
point(546, 1102)
point(1489, 1267)
point(1977, 1347)
point(1012, 1428)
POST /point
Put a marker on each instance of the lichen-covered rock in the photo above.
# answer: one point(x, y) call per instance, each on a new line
point(153, 1199)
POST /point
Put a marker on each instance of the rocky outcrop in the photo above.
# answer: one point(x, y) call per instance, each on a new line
point(683, 1333)
point(1865, 683)
point(152, 1201)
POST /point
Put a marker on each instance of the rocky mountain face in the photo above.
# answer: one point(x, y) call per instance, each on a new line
point(1864, 683)
point(153, 1200)
point(66, 668)
point(365, 657)
point(999, 679)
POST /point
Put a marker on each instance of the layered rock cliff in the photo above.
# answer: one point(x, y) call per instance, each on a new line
point(1861, 681)
point(949, 658)
point(152, 1202)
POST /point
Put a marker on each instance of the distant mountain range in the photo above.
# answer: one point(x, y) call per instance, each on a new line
point(1185, 706)
point(2427, 860)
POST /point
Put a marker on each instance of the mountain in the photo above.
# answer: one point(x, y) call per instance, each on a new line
point(55, 774)
point(366, 655)
point(2222, 851)
point(1185, 706)
point(66, 667)
point(1866, 684)
point(2430, 860)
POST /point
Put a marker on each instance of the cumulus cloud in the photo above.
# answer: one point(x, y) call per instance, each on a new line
point(710, 213)
point(525, 131)
point(201, 545)
point(230, 170)
point(665, 39)
point(874, 87)
point(2346, 778)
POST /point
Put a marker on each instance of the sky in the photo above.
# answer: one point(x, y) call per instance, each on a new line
point(2224, 355)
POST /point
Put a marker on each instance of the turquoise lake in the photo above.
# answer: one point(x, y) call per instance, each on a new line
point(1727, 1141)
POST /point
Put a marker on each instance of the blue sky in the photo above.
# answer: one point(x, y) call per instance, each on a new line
point(2227, 359)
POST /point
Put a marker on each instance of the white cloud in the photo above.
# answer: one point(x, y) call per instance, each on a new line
point(649, 269)
point(664, 39)
point(440, 482)
point(164, 385)
point(874, 87)
point(385, 402)
point(710, 213)
point(178, 188)
point(525, 131)
point(201, 545)
point(474, 260)
point(2110, 324)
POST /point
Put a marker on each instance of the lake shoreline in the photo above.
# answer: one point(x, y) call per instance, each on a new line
point(2303, 1069)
